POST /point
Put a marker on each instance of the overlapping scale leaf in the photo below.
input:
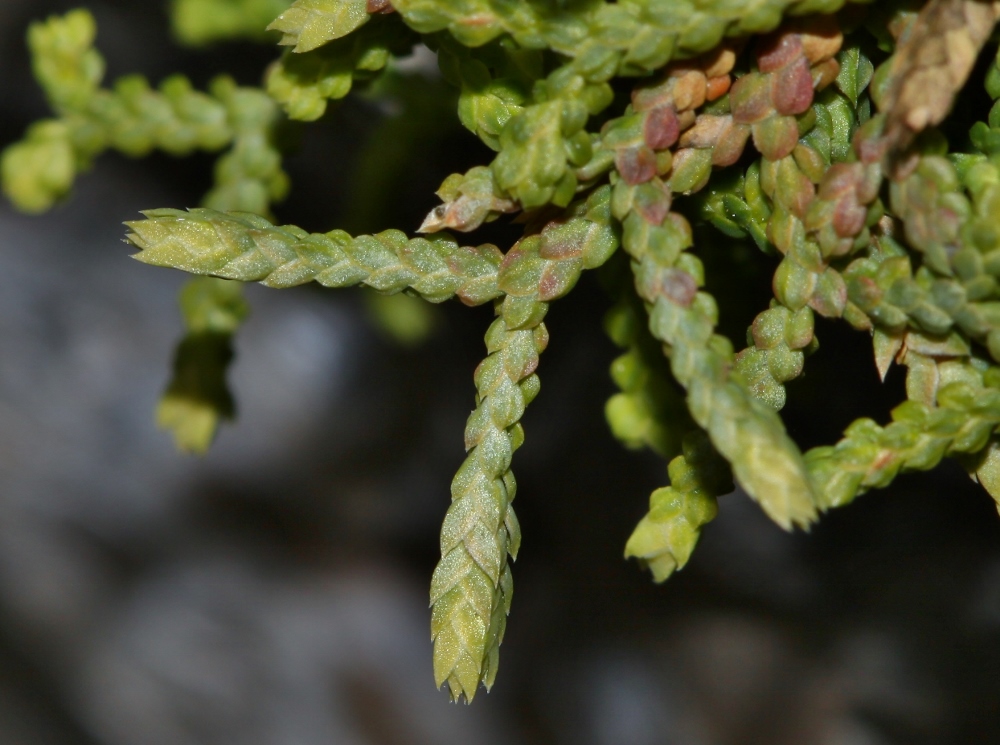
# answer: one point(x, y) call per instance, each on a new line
point(134, 119)
point(765, 461)
point(984, 468)
point(750, 436)
point(303, 83)
point(472, 586)
point(954, 287)
point(495, 82)
point(608, 39)
point(249, 248)
point(543, 145)
point(467, 201)
point(532, 159)
point(800, 198)
point(40, 170)
point(309, 24)
point(665, 538)
point(531, 75)
point(249, 176)
point(779, 341)
point(649, 410)
point(64, 60)
point(926, 298)
point(869, 456)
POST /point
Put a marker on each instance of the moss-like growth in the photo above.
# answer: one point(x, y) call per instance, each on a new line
point(804, 126)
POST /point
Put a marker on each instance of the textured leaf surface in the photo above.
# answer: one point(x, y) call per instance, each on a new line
point(472, 587)
point(303, 83)
point(608, 38)
point(920, 272)
point(749, 435)
point(932, 64)
point(468, 200)
point(135, 119)
point(870, 456)
point(665, 538)
point(309, 24)
point(249, 248)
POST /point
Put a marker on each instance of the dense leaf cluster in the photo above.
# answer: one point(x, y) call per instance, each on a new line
point(804, 126)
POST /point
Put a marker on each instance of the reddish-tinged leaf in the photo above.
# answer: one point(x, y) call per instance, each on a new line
point(675, 285)
point(750, 99)
point(637, 165)
point(849, 217)
point(661, 127)
point(792, 88)
point(777, 50)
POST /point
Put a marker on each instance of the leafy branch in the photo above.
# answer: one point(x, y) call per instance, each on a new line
point(805, 126)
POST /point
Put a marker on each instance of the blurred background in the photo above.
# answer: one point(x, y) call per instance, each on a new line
point(275, 591)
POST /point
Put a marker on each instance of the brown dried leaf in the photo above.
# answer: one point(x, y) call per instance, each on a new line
point(465, 213)
point(932, 64)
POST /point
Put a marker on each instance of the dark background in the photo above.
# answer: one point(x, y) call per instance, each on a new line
point(274, 592)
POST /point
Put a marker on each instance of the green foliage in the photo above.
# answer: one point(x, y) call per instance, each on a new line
point(302, 83)
point(649, 411)
point(197, 397)
point(201, 22)
point(135, 119)
point(40, 168)
point(804, 126)
point(664, 539)
point(247, 247)
point(309, 24)
point(495, 82)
